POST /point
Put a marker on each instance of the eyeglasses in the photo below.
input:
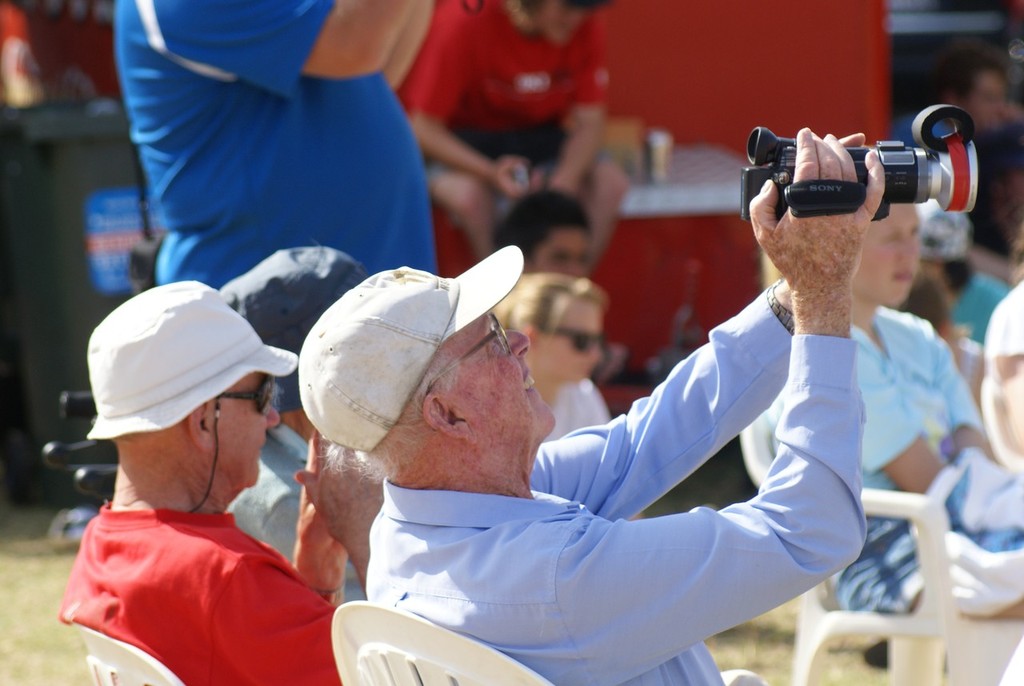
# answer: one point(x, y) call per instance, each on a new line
point(264, 395)
point(496, 332)
point(581, 341)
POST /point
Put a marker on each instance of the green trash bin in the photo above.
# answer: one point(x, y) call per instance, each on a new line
point(70, 213)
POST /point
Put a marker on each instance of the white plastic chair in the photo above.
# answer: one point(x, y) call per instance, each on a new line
point(116, 663)
point(382, 646)
point(1014, 674)
point(979, 649)
point(1005, 445)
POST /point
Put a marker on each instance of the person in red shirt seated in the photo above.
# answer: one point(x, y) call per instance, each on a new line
point(184, 387)
point(512, 98)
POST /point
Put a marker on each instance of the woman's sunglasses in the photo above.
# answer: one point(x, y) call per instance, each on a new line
point(581, 341)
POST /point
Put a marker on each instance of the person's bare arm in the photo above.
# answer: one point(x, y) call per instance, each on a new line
point(586, 133)
point(915, 468)
point(817, 256)
point(408, 43)
point(439, 143)
point(363, 36)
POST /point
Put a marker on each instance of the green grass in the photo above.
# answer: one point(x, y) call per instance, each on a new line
point(37, 650)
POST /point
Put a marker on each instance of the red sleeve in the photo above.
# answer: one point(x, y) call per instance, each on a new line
point(285, 639)
point(591, 76)
point(441, 73)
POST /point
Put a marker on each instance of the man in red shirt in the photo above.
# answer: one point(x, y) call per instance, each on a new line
point(184, 387)
point(519, 84)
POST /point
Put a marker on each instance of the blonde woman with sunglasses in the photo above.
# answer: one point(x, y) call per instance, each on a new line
point(563, 316)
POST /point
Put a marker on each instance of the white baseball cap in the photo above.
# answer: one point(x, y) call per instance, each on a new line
point(368, 353)
point(168, 350)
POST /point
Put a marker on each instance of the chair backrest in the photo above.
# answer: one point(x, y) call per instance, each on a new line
point(382, 646)
point(116, 663)
point(1006, 446)
point(1014, 674)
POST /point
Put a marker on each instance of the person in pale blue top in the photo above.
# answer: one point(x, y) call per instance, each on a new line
point(912, 390)
point(282, 297)
point(920, 417)
point(530, 548)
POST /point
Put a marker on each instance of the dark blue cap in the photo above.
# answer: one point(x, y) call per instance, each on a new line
point(283, 296)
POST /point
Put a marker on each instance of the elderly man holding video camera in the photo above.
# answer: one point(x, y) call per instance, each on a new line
point(530, 548)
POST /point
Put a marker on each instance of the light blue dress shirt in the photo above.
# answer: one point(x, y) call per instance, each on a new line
point(567, 585)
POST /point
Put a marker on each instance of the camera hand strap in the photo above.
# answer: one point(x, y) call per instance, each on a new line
point(823, 197)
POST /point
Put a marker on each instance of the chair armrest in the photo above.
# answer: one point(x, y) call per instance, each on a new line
point(914, 507)
point(930, 525)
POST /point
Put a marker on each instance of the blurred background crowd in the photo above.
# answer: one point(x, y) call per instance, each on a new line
point(604, 138)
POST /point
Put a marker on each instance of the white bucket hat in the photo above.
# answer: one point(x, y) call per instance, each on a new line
point(368, 353)
point(167, 351)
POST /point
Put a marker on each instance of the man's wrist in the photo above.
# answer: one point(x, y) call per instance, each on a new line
point(781, 312)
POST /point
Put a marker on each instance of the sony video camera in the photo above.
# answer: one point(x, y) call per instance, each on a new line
point(945, 168)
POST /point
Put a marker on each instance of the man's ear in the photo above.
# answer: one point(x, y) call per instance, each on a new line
point(441, 415)
point(199, 424)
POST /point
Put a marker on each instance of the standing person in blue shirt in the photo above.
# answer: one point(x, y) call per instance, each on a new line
point(528, 547)
point(265, 125)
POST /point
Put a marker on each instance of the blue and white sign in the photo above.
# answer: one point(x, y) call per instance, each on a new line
point(113, 224)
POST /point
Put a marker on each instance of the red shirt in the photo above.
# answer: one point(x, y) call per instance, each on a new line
point(478, 71)
point(213, 604)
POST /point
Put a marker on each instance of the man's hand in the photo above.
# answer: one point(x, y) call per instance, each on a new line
point(512, 176)
point(348, 500)
point(319, 558)
point(819, 255)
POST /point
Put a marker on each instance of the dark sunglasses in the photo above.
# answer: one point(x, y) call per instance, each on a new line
point(581, 341)
point(264, 395)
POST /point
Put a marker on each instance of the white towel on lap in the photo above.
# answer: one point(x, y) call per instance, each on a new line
point(984, 582)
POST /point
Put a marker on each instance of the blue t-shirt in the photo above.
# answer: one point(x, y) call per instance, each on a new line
point(976, 303)
point(247, 156)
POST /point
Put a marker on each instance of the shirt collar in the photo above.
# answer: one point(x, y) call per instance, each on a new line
point(475, 510)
